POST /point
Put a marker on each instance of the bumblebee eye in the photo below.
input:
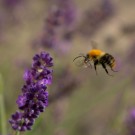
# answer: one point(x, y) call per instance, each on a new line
point(94, 57)
point(87, 56)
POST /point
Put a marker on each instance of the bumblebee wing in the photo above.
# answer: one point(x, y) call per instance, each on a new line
point(93, 44)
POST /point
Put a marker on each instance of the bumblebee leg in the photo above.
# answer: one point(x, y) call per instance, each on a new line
point(89, 64)
point(95, 66)
point(114, 70)
point(103, 65)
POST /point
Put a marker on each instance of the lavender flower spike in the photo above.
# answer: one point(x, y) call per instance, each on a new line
point(34, 97)
point(130, 122)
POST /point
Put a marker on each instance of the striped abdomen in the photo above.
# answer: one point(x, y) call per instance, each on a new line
point(107, 59)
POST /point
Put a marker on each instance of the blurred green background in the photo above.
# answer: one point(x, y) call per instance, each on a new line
point(90, 104)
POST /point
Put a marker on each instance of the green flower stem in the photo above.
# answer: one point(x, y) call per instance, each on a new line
point(2, 109)
point(17, 132)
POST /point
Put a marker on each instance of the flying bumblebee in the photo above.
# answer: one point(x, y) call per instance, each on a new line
point(97, 57)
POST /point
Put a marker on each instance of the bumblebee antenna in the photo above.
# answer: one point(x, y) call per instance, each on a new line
point(78, 57)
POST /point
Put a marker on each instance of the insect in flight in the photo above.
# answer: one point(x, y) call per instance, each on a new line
point(97, 57)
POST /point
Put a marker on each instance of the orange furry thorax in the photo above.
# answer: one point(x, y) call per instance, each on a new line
point(95, 53)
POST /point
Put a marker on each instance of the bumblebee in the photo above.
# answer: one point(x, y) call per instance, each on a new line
point(98, 57)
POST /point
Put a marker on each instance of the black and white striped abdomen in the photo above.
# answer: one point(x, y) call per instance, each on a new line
point(107, 59)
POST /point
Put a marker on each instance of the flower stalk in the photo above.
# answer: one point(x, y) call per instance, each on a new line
point(2, 109)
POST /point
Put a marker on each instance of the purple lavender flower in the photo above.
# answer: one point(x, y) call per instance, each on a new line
point(130, 123)
point(60, 21)
point(34, 97)
point(11, 3)
point(68, 11)
point(131, 54)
